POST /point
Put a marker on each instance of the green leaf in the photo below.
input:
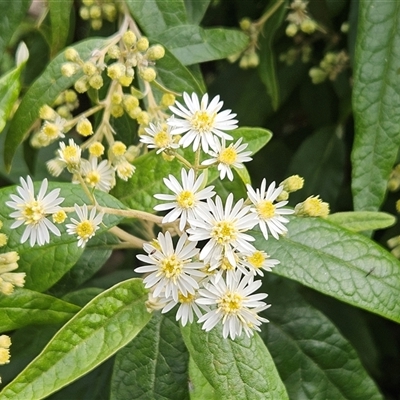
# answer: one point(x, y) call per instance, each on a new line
point(153, 365)
point(45, 265)
point(12, 13)
point(376, 101)
point(44, 90)
point(199, 387)
point(267, 66)
point(10, 87)
point(156, 16)
point(191, 44)
point(239, 369)
point(196, 9)
point(320, 160)
point(256, 138)
point(25, 307)
point(312, 357)
point(102, 327)
point(359, 221)
point(339, 263)
point(60, 19)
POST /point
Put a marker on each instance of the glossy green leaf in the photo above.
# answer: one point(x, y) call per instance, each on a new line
point(60, 19)
point(313, 359)
point(256, 138)
point(12, 13)
point(153, 365)
point(267, 66)
point(191, 44)
point(199, 387)
point(339, 263)
point(43, 91)
point(102, 327)
point(320, 160)
point(196, 9)
point(45, 265)
point(156, 16)
point(359, 221)
point(376, 101)
point(25, 307)
point(10, 87)
point(239, 369)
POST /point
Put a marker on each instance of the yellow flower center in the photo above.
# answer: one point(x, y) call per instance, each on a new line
point(226, 265)
point(171, 267)
point(230, 303)
point(59, 217)
point(161, 139)
point(185, 199)
point(4, 356)
point(85, 229)
point(93, 178)
point(202, 121)
point(96, 149)
point(33, 212)
point(118, 149)
point(266, 209)
point(51, 130)
point(70, 154)
point(223, 232)
point(257, 259)
point(228, 156)
point(189, 298)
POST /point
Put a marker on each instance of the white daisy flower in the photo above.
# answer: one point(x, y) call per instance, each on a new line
point(186, 200)
point(269, 214)
point(228, 157)
point(171, 270)
point(201, 121)
point(52, 130)
point(99, 176)
point(87, 225)
point(235, 305)
point(69, 157)
point(160, 137)
point(224, 229)
point(33, 211)
point(258, 261)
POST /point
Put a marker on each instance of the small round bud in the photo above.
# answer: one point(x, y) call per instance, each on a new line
point(109, 12)
point(244, 61)
point(116, 98)
point(293, 183)
point(114, 52)
point(3, 239)
point(143, 118)
point(245, 24)
point(88, 3)
point(72, 55)
point(167, 99)
point(345, 27)
point(142, 44)
point(116, 70)
point(68, 69)
point(96, 81)
point(84, 127)
point(148, 74)
point(96, 149)
point(117, 110)
point(134, 113)
point(84, 13)
point(253, 60)
point(291, 30)
point(130, 102)
point(70, 96)
point(89, 68)
point(81, 85)
point(125, 80)
point(63, 111)
point(317, 75)
point(95, 12)
point(59, 217)
point(130, 72)
point(308, 26)
point(46, 112)
point(129, 38)
point(155, 52)
point(118, 149)
point(96, 24)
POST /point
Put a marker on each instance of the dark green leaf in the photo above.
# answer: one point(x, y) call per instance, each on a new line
point(338, 262)
point(43, 91)
point(200, 388)
point(153, 365)
point(25, 307)
point(359, 221)
point(376, 101)
point(239, 369)
point(313, 359)
point(102, 327)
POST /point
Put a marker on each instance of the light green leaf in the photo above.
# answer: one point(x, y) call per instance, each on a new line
point(43, 91)
point(196, 9)
point(12, 13)
point(45, 265)
point(339, 263)
point(60, 12)
point(10, 87)
point(200, 388)
point(102, 327)
point(243, 174)
point(256, 138)
point(25, 307)
point(376, 101)
point(239, 369)
point(191, 44)
point(267, 66)
point(156, 16)
point(153, 365)
point(359, 221)
point(312, 357)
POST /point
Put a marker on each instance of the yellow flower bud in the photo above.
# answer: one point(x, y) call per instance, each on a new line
point(118, 149)
point(116, 70)
point(89, 68)
point(3, 239)
point(5, 341)
point(143, 118)
point(72, 55)
point(84, 127)
point(96, 81)
point(96, 24)
point(148, 74)
point(130, 102)
point(84, 13)
point(167, 99)
point(134, 113)
point(245, 24)
point(81, 85)
point(293, 183)
point(291, 30)
point(95, 12)
point(129, 38)
point(114, 52)
point(116, 98)
point(117, 110)
point(317, 75)
point(59, 217)
point(96, 149)
point(46, 112)
point(308, 26)
point(88, 3)
point(68, 69)
point(109, 11)
point(155, 52)
point(142, 44)
point(70, 96)
point(313, 206)
point(125, 80)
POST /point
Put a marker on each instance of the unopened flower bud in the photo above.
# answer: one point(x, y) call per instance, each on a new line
point(317, 75)
point(114, 52)
point(293, 183)
point(143, 118)
point(84, 13)
point(118, 149)
point(308, 26)
point(291, 30)
point(125, 80)
point(89, 68)
point(245, 24)
point(148, 74)
point(68, 69)
point(134, 113)
point(59, 217)
point(155, 52)
point(117, 110)
point(84, 127)
point(81, 85)
point(142, 44)
point(96, 81)
point(72, 55)
point(70, 96)
point(130, 102)
point(46, 112)
point(129, 38)
point(96, 149)
point(3, 239)
point(116, 70)
point(313, 206)
point(96, 24)
point(116, 98)
point(95, 11)
point(109, 11)
point(167, 99)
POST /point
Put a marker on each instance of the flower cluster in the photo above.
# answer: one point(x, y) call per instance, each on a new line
point(5, 343)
